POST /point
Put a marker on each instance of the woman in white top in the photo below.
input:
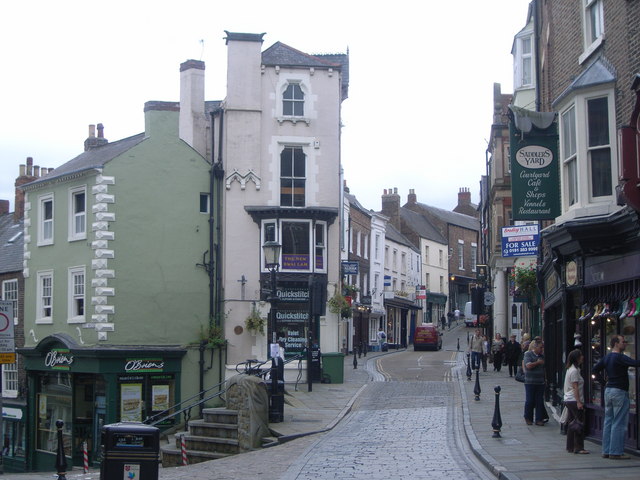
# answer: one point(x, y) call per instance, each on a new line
point(574, 402)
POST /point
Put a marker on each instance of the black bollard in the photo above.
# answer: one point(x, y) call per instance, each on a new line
point(476, 388)
point(355, 359)
point(496, 423)
point(468, 367)
point(458, 343)
point(61, 459)
point(365, 347)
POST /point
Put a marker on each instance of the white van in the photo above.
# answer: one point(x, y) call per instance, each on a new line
point(469, 318)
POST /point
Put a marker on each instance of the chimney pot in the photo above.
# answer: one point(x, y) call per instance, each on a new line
point(36, 170)
point(92, 131)
point(4, 207)
point(100, 130)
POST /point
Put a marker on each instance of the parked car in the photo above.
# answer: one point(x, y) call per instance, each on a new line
point(427, 336)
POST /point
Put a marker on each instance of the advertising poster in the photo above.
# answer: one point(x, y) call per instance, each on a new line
point(159, 397)
point(131, 402)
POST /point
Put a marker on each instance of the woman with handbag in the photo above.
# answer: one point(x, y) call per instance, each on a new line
point(574, 403)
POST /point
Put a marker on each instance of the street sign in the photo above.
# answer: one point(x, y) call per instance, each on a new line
point(350, 268)
point(7, 343)
point(489, 298)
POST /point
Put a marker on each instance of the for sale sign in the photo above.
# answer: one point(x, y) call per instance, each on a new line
point(7, 344)
point(520, 241)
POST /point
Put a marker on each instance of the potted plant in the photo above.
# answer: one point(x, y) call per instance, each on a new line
point(213, 337)
point(254, 322)
point(525, 281)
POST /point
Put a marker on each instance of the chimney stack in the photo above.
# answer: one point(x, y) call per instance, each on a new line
point(411, 198)
point(464, 197)
point(4, 207)
point(391, 206)
point(92, 141)
point(27, 174)
point(192, 123)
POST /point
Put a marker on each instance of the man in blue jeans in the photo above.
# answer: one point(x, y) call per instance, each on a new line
point(475, 348)
point(616, 397)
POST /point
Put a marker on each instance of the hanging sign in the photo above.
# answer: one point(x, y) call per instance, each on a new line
point(535, 173)
point(7, 339)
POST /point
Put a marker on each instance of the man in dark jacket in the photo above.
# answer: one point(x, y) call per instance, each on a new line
point(616, 397)
point(512, 354)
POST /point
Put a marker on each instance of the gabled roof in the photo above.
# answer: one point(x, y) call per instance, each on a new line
point(452, 218)
point(11, 244)
point(393, 234)
point(95, 157)
point(422, 226)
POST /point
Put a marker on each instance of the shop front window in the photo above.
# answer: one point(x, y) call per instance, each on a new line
point(53, 403)
point(628, 329)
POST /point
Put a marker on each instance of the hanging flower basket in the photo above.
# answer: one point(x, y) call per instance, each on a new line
point(254, 322)
point(339, 305)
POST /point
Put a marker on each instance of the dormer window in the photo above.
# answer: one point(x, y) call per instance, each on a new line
point(293, 101)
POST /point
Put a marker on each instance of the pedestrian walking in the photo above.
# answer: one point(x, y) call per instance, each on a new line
point(497, 350)
point(456, 316)
point(616, 397)
point(574, 403)
point(512, 353)
point(486, 352)
point(475, 348)
point(443, 321)
point(381, 338)
point(534, 381)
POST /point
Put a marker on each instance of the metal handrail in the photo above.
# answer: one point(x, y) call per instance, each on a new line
point(251, 367)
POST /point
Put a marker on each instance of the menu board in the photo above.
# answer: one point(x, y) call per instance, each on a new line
point(131, 402)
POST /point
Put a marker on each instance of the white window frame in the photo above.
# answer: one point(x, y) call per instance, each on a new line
point(313, 245)
point(526, 58)
point(593, 27)
point(569, 155)
point(76, 292)
point(365, 247)
point(44, 292)
point(586, 204)
point(293, 178)
point(460, 254)
point(306, 104)
point(10, 380)
point(46, 227)
point(474, 256)
point(358, 243)
point(377, 246)
point(206, 196)
point(426, 254)
point(76, 233)
point(10, 293)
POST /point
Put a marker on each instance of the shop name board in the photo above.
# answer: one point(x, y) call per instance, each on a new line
point(293, 295)
point(58, 359)
point(520, 241)
point(295, 261)
point(144, 365)
point(292, 316)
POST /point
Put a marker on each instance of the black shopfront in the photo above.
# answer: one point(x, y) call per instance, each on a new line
point(89, 387)
point(590, 278)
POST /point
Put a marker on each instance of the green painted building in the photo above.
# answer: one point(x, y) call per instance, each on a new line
point(118, 288)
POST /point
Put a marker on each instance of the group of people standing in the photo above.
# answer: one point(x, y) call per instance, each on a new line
point(498, 352)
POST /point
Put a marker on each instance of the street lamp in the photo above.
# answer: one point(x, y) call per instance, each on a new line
point(271, 250)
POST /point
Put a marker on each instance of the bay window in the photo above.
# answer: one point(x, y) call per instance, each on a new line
point(303, 243)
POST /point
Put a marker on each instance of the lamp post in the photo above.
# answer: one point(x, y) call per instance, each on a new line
point(271, 250)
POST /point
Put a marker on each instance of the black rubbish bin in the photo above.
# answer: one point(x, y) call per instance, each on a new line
point(130, 450)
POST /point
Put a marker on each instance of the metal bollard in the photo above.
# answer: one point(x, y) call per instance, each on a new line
point(355, 359)
point(458, 343)
point(496, 423)
point(476, 388)
point(61, 459)
point(468, 366)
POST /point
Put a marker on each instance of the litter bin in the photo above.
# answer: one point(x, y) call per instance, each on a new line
point(333, 366)
point(129, 450)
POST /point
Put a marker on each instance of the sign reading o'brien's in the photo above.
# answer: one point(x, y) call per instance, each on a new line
point(535, 178)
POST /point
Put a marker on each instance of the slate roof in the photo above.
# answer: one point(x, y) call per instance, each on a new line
point(422, 226)
point(353, 201)
point(453, 218)
point(393, 234)
point(285, 56)
point(11, 244)
point(93, 158)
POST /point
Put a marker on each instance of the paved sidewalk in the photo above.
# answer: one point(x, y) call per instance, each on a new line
point(522, 452)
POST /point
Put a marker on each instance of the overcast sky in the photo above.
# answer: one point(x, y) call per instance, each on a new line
point(421, 78)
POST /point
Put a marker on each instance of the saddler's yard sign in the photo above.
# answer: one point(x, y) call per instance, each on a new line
point(535, 175)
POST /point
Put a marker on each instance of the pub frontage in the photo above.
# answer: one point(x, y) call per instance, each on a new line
point(90, 387)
